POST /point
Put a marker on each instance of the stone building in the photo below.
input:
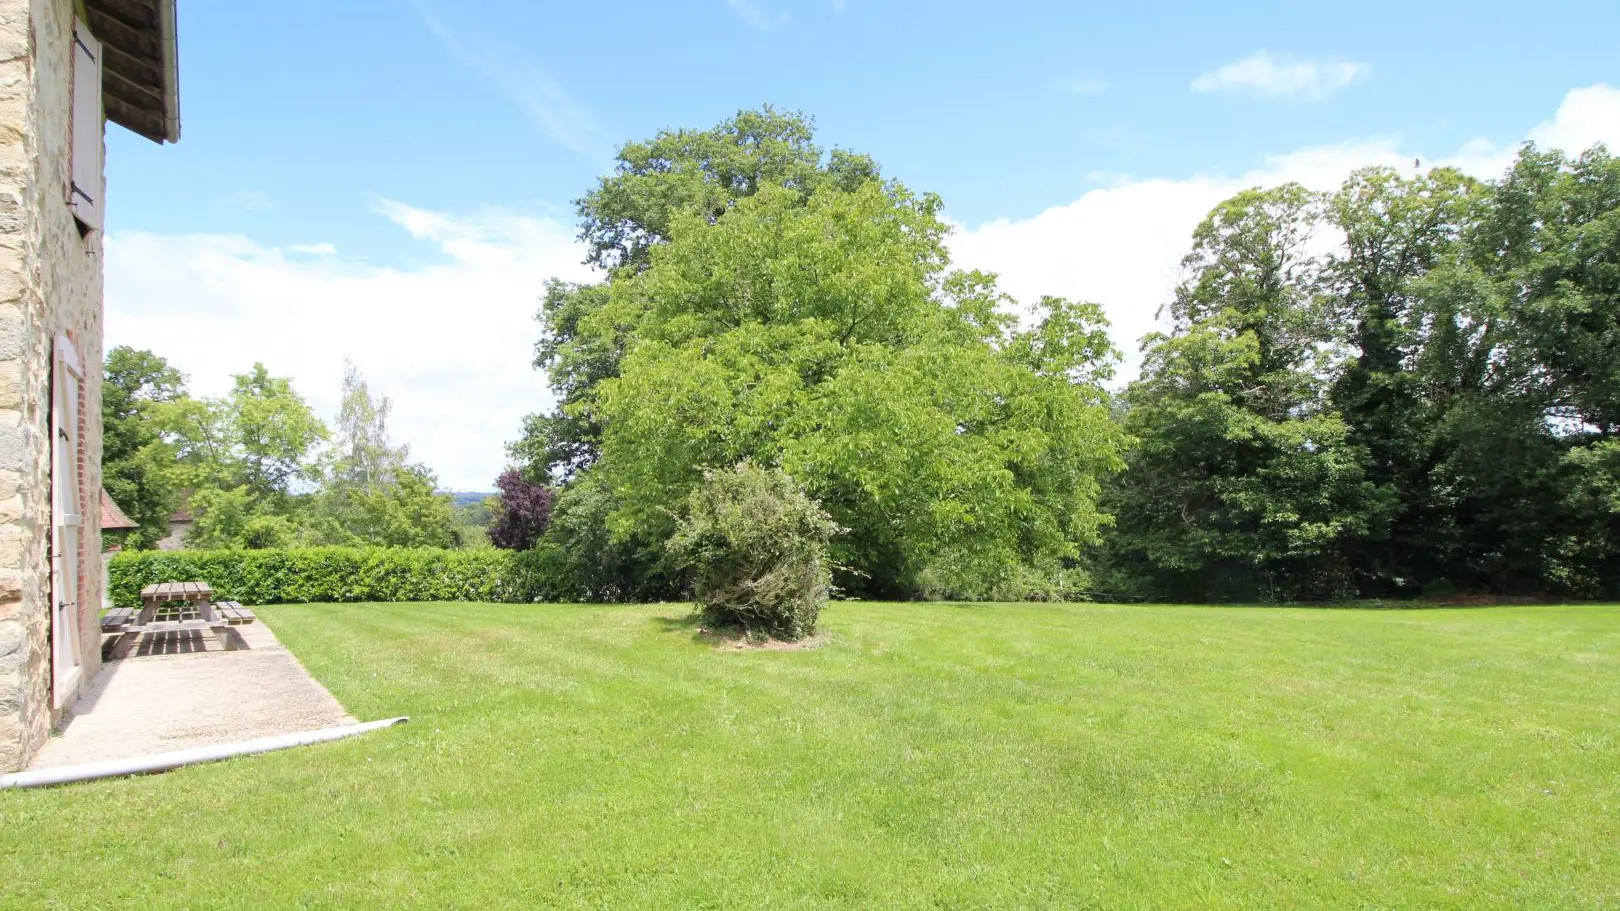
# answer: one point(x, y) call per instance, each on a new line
point(67, 67)
point(180, 525)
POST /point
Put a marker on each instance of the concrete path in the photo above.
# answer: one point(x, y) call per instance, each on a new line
point(181, 691)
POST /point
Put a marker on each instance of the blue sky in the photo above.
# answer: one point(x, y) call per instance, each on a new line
point(387, 179)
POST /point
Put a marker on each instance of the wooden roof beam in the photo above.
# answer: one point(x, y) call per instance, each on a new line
point(141, 64)
point(145, 74)
point(143, 40)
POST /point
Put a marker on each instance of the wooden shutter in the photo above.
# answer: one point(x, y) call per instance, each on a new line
point(84, 196)
point(67, 521)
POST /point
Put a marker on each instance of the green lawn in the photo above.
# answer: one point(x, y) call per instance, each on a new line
point(925, 756)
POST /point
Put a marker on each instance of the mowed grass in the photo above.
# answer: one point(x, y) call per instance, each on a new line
point(924, 756)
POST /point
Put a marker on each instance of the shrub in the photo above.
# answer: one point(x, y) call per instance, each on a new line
point(757, 549)
point(320, 574)
point(1011, 581)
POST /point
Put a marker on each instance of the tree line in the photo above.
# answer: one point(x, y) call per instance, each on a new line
point(256, 468)
point(1408, 386)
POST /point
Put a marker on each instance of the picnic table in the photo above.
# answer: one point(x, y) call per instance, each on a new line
point(173, 607)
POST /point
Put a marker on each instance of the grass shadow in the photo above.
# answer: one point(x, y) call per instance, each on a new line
point(691, 621)
point(1452, 603)
point(731, 638)
point(1455, 603)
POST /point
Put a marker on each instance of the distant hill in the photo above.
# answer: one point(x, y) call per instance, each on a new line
point(468, 497)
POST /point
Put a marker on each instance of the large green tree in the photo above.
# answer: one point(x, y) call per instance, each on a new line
point(249, 459)
point(273, 431)
point(1396, 231)
point(677, 174)
point(1244, 482)
point(1552, 239)
point(138, 464)
point(812, 323)
point(1531, 349)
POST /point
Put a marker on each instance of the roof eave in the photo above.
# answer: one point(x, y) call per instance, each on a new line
point(141, 64)
point(170, 43)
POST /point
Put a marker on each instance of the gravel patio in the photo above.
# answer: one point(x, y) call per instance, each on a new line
point(176, 691)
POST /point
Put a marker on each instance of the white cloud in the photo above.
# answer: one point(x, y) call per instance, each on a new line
point(547, 105)
point(1122, 245)
point(314, 249)
point(1587, 116)
point(249, 200)
point(1267, 75)
point(450, 340)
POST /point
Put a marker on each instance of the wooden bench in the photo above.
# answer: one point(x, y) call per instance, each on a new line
point(234, 613)
point(197, 613)
point(115, 620)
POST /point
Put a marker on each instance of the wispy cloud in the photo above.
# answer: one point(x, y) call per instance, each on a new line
point(754, 14)
point(1085, 86)
point(248, 199)
point(1268, 75)
point(527, 85)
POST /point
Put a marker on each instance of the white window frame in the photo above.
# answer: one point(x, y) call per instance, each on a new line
point(87, 182)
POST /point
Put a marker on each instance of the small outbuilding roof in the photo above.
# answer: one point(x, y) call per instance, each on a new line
point(140, 64)
point(113, 518)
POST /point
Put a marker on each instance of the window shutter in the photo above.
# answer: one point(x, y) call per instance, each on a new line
point(84, 196)
point(67, 521)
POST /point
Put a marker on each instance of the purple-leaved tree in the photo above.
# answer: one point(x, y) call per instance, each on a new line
point(522, 513)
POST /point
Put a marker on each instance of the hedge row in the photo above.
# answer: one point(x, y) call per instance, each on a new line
point(322, 574)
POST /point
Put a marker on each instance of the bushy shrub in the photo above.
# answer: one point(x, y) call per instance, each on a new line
point(321, 574)
point(756, 546)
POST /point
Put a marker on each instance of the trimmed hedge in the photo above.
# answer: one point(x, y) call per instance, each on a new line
point(322, 574)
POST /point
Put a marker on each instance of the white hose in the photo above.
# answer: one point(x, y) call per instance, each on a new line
point(163, 762)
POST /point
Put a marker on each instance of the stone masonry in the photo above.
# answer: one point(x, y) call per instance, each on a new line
point(50, 283)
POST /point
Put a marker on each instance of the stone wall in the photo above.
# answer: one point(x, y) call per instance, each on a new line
point(176, 538)
point(50, 283)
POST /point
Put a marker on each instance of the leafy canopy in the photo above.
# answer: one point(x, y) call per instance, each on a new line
point(814, 325)
point(1405, 386)
point(677, 174)
point(138, 464)
point(1243, 483)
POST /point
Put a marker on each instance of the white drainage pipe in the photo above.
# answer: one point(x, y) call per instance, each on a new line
point(163, 762)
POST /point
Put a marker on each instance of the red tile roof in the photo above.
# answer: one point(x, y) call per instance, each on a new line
point(113, 518)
